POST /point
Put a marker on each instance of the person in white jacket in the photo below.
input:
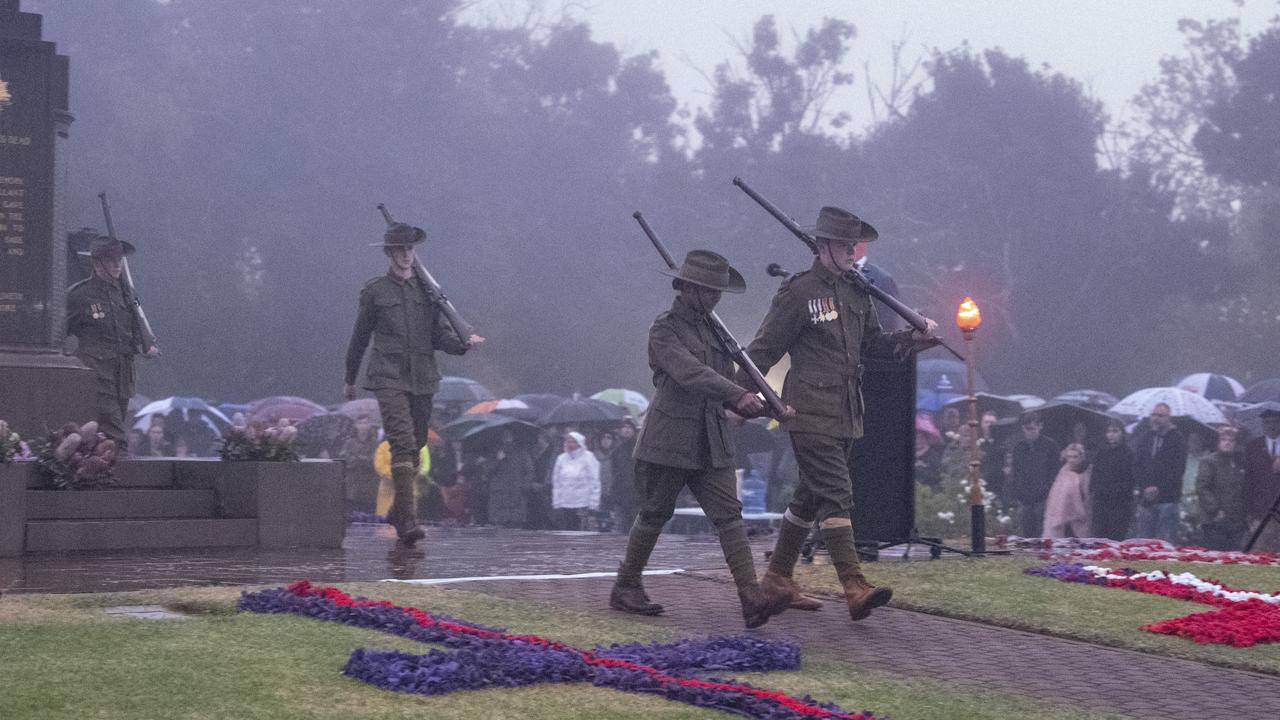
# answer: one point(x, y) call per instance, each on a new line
point(575, 484)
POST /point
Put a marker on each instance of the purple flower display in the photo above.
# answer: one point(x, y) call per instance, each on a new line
point(1066, 572)
point(484, 657)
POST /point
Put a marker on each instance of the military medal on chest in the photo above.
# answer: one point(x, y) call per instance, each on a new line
point(822, 310)
point(96, 312)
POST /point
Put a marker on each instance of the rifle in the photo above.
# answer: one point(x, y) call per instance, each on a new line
point(435, 294)
point(147, 338)
point(725, 337)
point(855, 276)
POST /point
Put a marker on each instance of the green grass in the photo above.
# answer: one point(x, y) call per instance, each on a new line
point(994, 590)
point(61, 658)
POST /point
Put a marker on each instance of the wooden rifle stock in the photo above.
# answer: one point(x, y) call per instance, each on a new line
point(726, 338)
point(435, 294)
point(147, 338)
point(855, 276)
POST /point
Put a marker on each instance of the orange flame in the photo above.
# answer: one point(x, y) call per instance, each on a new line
point(968, 317)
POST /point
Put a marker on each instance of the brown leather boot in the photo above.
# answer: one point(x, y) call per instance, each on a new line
point(758, 604)
point(862, 596)
point(775, 583)
point(633, 599)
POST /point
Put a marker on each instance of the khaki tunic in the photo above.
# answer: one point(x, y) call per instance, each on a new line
point(685, 426)
point(827, 325)
point(406, 331)
point(104, 325)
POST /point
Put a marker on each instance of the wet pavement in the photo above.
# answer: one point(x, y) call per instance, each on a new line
point(700, 601)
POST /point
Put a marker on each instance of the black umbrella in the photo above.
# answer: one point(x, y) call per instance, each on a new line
point(1061, 418)
point(575, 412)
point(489, 434)
point(464, 423)
point(542, 402)
point(461, 390)
point(1262, 392)
point(1250, 418)
point(1092, 399)
point(1003, 407)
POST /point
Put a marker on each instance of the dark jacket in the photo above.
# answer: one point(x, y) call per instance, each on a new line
point(827, 325)
point(685, 426)
point(1111, 479)
point(406, 330)
point(510, 482)
point(1220, 489)
point(1035, 465)
point(105, 327)
point(1262, 484)
point(1163, 468)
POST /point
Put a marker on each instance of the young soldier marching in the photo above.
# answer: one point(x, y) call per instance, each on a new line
point(406, 328)
point(827, 324)
point(685, 441)
point(101, 318)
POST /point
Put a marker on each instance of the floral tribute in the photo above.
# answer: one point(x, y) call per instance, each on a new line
point(256, 444)
point(12, 448)
point(77, 457)
point(1243, 618)
point(1090, 549)
point(486, 657)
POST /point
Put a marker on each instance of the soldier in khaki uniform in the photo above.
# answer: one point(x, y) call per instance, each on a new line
point(827, 324)
point(407, 329)
point(685, 441)
point(100, 316)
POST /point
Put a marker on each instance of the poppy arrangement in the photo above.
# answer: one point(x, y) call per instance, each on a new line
point(485, 657)
point(1242, 618)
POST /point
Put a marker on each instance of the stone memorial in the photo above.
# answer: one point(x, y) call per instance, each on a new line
point(39, 386)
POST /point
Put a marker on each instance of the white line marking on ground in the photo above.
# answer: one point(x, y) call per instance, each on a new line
point(576, 576)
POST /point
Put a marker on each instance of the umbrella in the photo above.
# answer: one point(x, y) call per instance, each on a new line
point(575, 412)
point(189, 409)
point(1028, 402)
point(1092, 399)
point(941, 375)
point(361, 406)
point(634, 402)
point(542, 402)
point(1060, 420)
point(1180, 402)
point(270, 410)
point(461, 390)
point(517, 409)
point(489, 434)
point(458, 427)
point(1003, 407)
point(1250, 418)
point(933, 401)
point(1262, 392)
point(1211, 386)
point(329, 431)
point(137, 402)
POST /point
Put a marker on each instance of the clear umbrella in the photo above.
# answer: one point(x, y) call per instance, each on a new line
point(1181, 404)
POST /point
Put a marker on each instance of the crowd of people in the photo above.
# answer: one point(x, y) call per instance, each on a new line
point(1154, 482)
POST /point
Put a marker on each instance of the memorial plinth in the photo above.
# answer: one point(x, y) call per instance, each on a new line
point(39, 386)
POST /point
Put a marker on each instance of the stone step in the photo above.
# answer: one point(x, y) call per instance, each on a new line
point(142, 472)
point(64, 535)
point(121, 503)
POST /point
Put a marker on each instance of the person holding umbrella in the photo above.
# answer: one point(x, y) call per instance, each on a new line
point(685, 440)
point(406, 329)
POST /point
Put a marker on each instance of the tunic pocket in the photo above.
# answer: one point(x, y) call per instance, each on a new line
point(813, 393)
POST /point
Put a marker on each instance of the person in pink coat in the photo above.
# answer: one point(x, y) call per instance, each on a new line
point(1066, 512)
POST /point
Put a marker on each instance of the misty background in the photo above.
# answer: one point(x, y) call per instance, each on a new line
point(1112, 243)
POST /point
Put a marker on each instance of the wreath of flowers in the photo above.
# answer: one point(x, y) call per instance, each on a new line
point(1243, 618)
point(486, 657)
point(1089, 549)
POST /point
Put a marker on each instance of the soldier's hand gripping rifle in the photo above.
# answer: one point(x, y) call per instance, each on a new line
point(435, 294)
point(146, 338)
point(913, 318)
point(777, 408)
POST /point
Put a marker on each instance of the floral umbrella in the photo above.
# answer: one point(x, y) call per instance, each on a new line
point(634, 402)
point(1180, 402)
point(271, 410)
